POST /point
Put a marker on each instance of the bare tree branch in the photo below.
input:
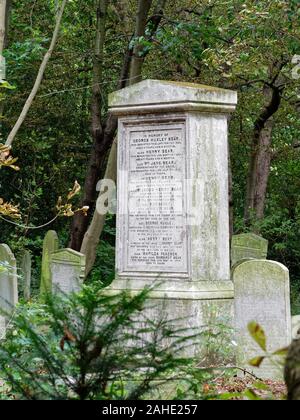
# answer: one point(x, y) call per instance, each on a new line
point(39, 78)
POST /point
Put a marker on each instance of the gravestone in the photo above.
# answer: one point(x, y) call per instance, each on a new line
point(26, 272)
point(67, 271)
point(50, 245)
point(2, 327)
point(2, 68)
point(262, 295)
point(248, 245)
point(8, 280)
point(296, 327)
point(173, 216)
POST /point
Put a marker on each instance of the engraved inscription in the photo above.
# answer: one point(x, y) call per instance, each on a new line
point(156, 222)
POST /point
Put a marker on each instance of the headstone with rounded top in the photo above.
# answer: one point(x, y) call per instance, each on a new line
point(262, 296)
point(8, 280)
point(50, 246)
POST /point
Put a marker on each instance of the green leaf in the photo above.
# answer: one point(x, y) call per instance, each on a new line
point(230, 396)
point(257, 361)
point(281, 352)
point(4, 84)
point(251, 395)
point(261, 386)
point(258, 334)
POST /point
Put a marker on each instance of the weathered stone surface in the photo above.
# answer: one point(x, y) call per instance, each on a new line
point(2, 68)
point(173, 223)
point(151, 96)
point(67, 271)
point(262, 295)
point(296, 327)
point(200, 316)
point(8, 280)
point(50, 246)
point(26, 273)
point(2, 327)
point(248, 245)
point(163, 182)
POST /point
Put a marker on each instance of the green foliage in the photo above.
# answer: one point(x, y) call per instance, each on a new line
point(259, 336)
point(91, 346)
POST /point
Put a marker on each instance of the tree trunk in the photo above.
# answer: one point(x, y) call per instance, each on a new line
point(101, 141)
point(260, 160)
point(138, 56)
point(39, 78)
point(292, 370)
point(92, 236)
point(2, 24)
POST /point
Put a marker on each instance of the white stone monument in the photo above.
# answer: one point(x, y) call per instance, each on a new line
point(172, 222)
point(67, 271)
point(262, 295)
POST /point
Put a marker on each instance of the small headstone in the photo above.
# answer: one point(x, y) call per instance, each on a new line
point(67, 271)
point(262, 295)
point(2, 68)
point(26, 272)
point(296, 327)
point(49, 247)
point(2, 327)
point(248, 245)
point(8, 279)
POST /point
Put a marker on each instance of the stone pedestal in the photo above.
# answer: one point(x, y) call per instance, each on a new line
point(173, 223)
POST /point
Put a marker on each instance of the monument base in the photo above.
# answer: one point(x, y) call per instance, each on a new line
point(203, 309)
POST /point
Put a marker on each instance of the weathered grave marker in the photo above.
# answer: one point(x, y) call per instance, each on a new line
point(2, 327)
point(248, 245)
point(67, 271)
point(26, 272)
point(262, 295)
point(8, 279)
point(50, 246)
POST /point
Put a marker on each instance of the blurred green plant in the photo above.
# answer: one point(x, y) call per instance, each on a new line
point(92, 346)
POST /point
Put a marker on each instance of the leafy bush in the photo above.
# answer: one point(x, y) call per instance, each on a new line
point(91, 346)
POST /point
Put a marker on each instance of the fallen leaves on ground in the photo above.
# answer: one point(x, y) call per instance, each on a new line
point(264, 390)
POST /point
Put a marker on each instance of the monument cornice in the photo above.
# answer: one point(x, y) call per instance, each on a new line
point(159, 96)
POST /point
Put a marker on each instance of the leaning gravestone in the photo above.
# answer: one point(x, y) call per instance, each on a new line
point(50, 245)
point(67, 271)
point(248, 245)
point(296, 327)
point(8, 280)
point(262, 295)
point(26, 272)
point(173, 216)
